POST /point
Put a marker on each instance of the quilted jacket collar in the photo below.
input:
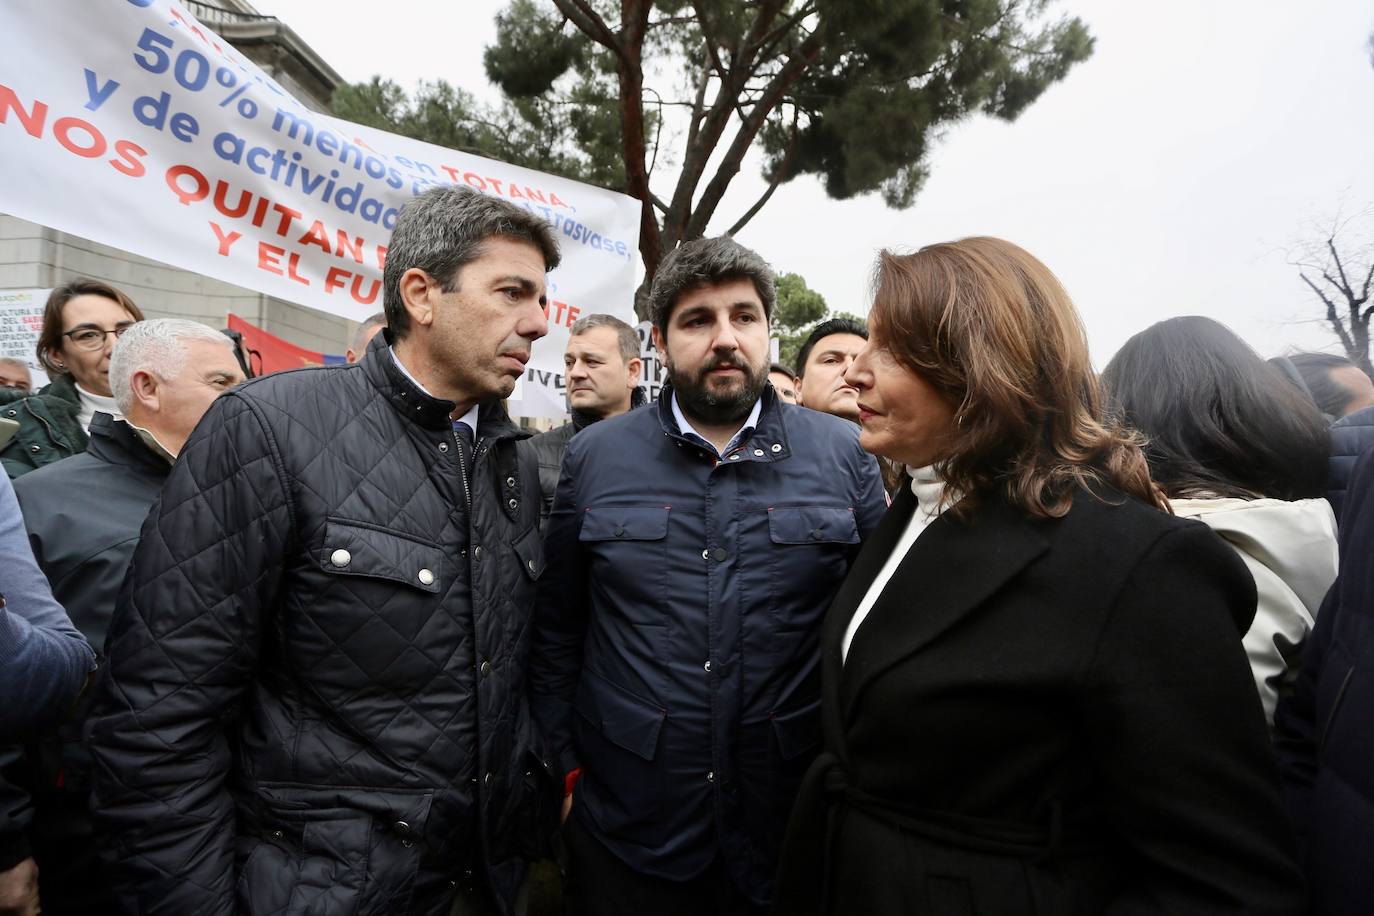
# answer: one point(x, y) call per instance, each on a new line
point(411, 402)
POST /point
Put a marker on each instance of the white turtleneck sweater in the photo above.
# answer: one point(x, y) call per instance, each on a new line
point(928, 489)
point(91, 403)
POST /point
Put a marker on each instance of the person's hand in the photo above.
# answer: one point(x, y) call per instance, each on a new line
point(19, 890)
point(563, 818)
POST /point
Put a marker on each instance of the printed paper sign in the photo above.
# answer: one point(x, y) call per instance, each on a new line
point(21, 318)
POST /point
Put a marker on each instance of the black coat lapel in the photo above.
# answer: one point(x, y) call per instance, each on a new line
point(951, 569)
point(874, 553)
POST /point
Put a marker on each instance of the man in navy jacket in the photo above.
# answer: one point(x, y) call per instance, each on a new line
point(692, 551)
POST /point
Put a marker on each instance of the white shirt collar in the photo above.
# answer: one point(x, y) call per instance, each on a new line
point(469, 418)
point(685, 427)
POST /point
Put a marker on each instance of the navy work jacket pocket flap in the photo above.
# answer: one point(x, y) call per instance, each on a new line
point(625, 523)
point(624, 718)
point(812, 525)
point(798, 730)
point(361, 549)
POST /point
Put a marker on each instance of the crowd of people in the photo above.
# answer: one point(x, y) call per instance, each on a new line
point(936, 621)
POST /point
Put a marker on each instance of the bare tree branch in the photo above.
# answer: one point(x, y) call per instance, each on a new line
point(1344, 285)
point(780, 174)
point(792, 71)
point(581, 14)
point(709, 39)
point(1332, 317)
point(698, 106)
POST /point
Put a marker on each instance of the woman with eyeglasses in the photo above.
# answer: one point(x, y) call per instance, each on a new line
point(81, 322)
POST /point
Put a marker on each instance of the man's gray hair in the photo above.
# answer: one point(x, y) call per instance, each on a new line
point(364, 332)
point(12, 361)
point(443, 229)
point(626, 337)
point(707, 262)
point(154, 346)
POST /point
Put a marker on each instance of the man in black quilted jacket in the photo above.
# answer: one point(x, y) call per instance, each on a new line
point(314, 699)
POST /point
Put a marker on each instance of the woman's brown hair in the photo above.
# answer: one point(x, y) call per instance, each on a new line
point(50, 337)
point(993, 330)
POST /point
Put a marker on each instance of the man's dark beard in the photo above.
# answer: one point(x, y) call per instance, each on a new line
point(700, 403)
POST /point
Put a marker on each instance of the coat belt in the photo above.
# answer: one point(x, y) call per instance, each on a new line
point(804, 876)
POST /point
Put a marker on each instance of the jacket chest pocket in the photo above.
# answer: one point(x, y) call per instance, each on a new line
point(618, 539)
point(378, 589)
point(809, 551)
point(372, 552)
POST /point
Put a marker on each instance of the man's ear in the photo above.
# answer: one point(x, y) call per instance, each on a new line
point(147, 389)
point(634, 370)
point(660, 344)
point(419, 292)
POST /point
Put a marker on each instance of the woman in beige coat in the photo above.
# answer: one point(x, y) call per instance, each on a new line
point(1235, 445)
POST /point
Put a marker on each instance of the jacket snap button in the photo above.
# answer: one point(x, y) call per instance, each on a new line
point(510, 481)
point(443, 446)
point(706, 554)
point(530, 565)
point(514, 504)
point(734, 456)
point(426, 577)
point(477, 553)
point(707, 666)
point(776, 448)
point(341, 558)
point(711, 776)
point(816, 534)
point(11, 413)
point(486, 780)
point(758, 453)
point(35, 449)
point(402, 827)
point(484, 669)
point(276, 834)
point(718, 554)
point(620, 532)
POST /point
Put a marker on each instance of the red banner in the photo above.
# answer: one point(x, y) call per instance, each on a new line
point(270, 353)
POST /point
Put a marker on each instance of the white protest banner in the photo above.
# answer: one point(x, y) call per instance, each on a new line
point(130, 123)
point(21, 318)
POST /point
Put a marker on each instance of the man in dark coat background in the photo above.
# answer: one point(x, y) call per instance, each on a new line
point(601, 368)
point(693, 549)
point(83, 515)
point(314, 694)
point(1325, 745)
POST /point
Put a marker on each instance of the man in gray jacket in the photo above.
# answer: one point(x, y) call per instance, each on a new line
point(83, 515)
point(601, 368)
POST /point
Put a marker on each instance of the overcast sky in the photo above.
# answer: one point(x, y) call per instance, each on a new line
point(1171, 174)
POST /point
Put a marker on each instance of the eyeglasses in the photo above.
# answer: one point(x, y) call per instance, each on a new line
point(93, 338)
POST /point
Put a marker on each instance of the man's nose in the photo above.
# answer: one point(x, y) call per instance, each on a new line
point(856, 374)
point(725, 338)
point(534, 324)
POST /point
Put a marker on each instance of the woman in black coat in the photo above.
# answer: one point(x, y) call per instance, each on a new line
point(1035, 695)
